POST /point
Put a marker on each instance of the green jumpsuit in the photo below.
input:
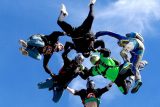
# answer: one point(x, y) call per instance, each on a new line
point(110, 69)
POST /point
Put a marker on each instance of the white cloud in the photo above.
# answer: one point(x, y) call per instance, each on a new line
point(128, 15)
point(121, 16)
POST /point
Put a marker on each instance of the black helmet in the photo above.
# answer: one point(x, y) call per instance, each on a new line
point(90, 84)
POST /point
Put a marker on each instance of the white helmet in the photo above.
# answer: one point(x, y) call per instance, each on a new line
point(79, 59)
point(59, 47)
point(140, 37)
point(94, 59)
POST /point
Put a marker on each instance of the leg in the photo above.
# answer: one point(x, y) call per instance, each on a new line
point(64, 26)
point(122, 85)
point(57, 93)
point(34, 53)
point(35, 41)
point(138, 82)
point(121, 82)
point(47, 84)
point(58, 90)
point(87, 24)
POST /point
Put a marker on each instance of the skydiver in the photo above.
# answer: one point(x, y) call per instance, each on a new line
point(70, 70)
point(39, 44)
point(110, 69)
point(133, 44)
point(90, 97)
point(82, 36)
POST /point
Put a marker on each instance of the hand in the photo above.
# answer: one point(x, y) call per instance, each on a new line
point(110, 84)
point(52, 75)
point(64, 33)
point(65, 86)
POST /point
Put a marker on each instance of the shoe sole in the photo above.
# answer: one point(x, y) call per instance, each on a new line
point(23, 43)
point(134, 90)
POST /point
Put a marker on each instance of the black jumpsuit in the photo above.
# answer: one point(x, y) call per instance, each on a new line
point(91, 93)
point(50, 42)
point(82, 37)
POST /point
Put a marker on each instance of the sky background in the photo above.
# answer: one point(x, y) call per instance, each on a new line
point(19, 75)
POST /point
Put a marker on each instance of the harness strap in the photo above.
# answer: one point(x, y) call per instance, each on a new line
point(106, 66)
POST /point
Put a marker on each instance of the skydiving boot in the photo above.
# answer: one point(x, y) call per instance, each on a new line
point(23, 51)
point(125, 67)
point(63, 10)
point(22, 43)
point(142, 64)
point(136, 87)
point(45, 84)
point(92, 2)
point(128, 83)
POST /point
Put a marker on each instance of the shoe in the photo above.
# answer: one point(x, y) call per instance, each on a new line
point(125, 68)
point(92, 2)
point(136, 87)
point(23, 51)
point(22, 43)
point(128, 83)
point(63, 10)
point(142, 64)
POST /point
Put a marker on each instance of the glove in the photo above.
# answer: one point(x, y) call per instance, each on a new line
point(53, 75)
point(110, 85)
point(65, 86)
point(64, 33)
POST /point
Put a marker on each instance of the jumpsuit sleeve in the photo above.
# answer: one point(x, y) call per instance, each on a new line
point(94, 71)
point(116, 62)
point(84, 74)
point(117, 36)
point(45, 64)
point(57, 33)
point(104, 89)
point(65, 57)
point(78, 92)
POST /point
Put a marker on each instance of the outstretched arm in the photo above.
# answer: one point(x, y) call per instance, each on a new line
point(105, 89)
point(117, 36)
point(45, 65)
point(57, 33)
point(65, 57)
point(72, 91)
point(84, 73)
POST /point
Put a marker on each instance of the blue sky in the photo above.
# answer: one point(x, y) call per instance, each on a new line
point(19, 75)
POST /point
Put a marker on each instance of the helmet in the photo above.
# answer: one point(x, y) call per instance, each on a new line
point(79, 59)
point(135, 35)
point(59, 47)
point(94, 59)
point(90, 84)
